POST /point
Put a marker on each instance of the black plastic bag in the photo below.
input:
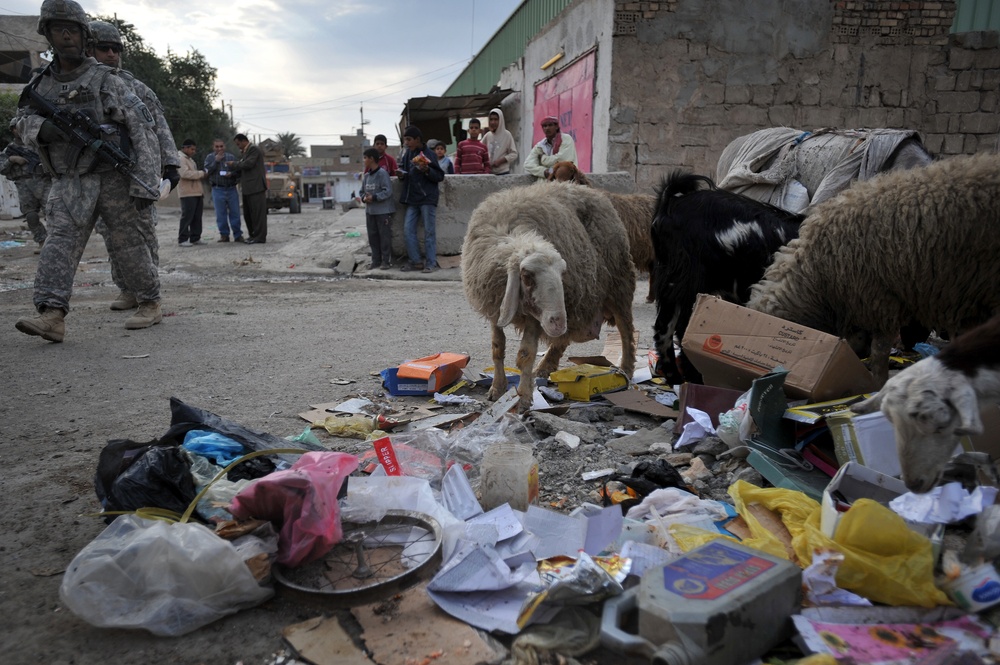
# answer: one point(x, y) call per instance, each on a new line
point(154, 476)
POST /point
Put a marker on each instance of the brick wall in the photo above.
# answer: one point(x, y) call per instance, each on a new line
point(682, 92)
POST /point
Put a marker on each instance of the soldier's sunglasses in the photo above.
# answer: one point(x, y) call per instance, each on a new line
point(109, 47)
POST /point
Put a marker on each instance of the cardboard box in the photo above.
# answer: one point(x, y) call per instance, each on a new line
point(424, 376)
point(732, 345)
point(869, 439)
point(853, 482)
point(581, 382)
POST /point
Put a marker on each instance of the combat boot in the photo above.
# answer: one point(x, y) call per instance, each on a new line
point(147, 315)
point(124, 301)
point(50, 324)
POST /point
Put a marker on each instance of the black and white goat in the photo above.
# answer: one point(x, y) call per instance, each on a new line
point(934, 402)
point(707, 240)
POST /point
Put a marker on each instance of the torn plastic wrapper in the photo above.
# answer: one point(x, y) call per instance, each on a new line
point(585, 581)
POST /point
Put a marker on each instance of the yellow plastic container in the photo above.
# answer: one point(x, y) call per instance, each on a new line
point(581, 382)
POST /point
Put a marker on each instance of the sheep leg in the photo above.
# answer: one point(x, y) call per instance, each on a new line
point(550, 361)
point(881, 347)
point(499, 386)
point(526, 363)
point(626, 330)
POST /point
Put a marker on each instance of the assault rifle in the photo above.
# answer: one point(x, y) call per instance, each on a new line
point(33, 165)
point(85, 133)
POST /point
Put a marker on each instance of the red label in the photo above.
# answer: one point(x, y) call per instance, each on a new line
point(387, 456)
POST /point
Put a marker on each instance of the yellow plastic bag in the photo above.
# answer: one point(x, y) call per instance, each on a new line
point(884, 560)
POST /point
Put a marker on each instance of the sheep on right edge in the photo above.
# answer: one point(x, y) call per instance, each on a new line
point(918, 245)
point(553, 260)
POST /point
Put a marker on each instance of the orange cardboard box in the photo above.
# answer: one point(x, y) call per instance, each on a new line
point(439, 370)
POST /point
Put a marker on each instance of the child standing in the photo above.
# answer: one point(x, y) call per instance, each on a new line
point(440, 149)
point(376, 194)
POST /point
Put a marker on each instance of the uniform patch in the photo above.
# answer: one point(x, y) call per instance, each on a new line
point(132, 101)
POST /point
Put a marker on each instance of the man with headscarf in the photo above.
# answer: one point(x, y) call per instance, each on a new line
point(500, 144)
point(107, 49)
point(85, 187)
point(555, 147)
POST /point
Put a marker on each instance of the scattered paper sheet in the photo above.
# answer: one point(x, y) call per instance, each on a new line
point(645, 557)
point(503, 518)
point(476, 568)
point(494, 610)
point(944, 504)
point(560, 534)
point(696, 430)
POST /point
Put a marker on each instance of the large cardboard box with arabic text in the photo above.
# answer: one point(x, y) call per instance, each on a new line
point(732, 345)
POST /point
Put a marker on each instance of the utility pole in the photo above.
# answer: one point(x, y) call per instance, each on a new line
point(363, 121)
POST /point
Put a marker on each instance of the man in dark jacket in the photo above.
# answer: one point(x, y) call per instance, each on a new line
point(253, 184)
point(420, 173)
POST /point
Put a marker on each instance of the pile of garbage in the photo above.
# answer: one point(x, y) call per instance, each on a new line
point(628, 522)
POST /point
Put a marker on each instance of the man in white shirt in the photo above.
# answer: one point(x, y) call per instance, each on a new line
point(555, 147)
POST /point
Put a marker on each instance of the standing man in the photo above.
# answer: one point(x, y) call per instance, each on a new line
point(85, 187)
point(385, 161)
point(500, 144)
point(192, 197)
point(555, 147)
point(472, 157)
point(107, 50)
point(33, 183)
point(253, 184)
point(420, 174)
point(224, 196)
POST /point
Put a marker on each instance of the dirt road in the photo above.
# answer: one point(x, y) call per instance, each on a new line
point(252, 333)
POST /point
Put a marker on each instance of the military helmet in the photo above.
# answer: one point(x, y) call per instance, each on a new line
point(63, 10)
point(105, 33)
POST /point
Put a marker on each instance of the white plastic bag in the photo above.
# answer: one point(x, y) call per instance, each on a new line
point(167, 578)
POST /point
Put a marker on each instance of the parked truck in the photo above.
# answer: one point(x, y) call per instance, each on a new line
point(282, 181)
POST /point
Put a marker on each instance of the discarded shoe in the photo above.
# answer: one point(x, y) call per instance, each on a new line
point(124, 301)
point(50, 324)
point(224, 239)
point(147, 315)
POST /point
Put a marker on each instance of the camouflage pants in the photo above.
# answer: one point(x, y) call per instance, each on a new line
point(68, 237)
point(32, 194)
point(147, 227)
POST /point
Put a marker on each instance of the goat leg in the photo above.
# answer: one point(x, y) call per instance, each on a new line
point(499, 386)
point(626, 330)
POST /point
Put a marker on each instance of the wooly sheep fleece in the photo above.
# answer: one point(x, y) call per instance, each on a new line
point(511, 226)
point(918, 245)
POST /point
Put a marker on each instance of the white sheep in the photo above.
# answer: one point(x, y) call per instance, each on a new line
point(553, 260)
point(934, 402)
point(910, 246)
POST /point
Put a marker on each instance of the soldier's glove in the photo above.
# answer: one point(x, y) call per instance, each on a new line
point(49, 133)
point(173, 175)
point(141, 204)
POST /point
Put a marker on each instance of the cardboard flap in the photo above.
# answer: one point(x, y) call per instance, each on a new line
point(423, 368)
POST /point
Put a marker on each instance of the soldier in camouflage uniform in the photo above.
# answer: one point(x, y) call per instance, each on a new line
point(84, 187)
point(107, 50)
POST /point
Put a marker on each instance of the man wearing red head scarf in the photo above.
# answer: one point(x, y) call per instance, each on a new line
point(555, 147)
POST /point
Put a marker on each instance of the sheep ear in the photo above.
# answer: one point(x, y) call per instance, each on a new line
point(967, 405)
point(870, 405)
point(511, 297)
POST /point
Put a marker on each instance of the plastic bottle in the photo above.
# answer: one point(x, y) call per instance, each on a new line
point(509, 474)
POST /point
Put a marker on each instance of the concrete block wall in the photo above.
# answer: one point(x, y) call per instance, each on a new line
point(460, 194)
point(751, 64)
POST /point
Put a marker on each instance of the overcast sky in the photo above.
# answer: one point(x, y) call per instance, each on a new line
point(307, 66)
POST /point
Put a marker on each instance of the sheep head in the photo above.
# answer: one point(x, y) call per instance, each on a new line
point(930, 407)
point(567, 172)
point(535, 287)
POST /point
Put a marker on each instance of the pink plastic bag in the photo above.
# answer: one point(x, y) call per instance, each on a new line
point(303, 500)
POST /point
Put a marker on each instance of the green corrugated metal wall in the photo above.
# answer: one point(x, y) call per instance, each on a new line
point(506, 46)
point(973, 15)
